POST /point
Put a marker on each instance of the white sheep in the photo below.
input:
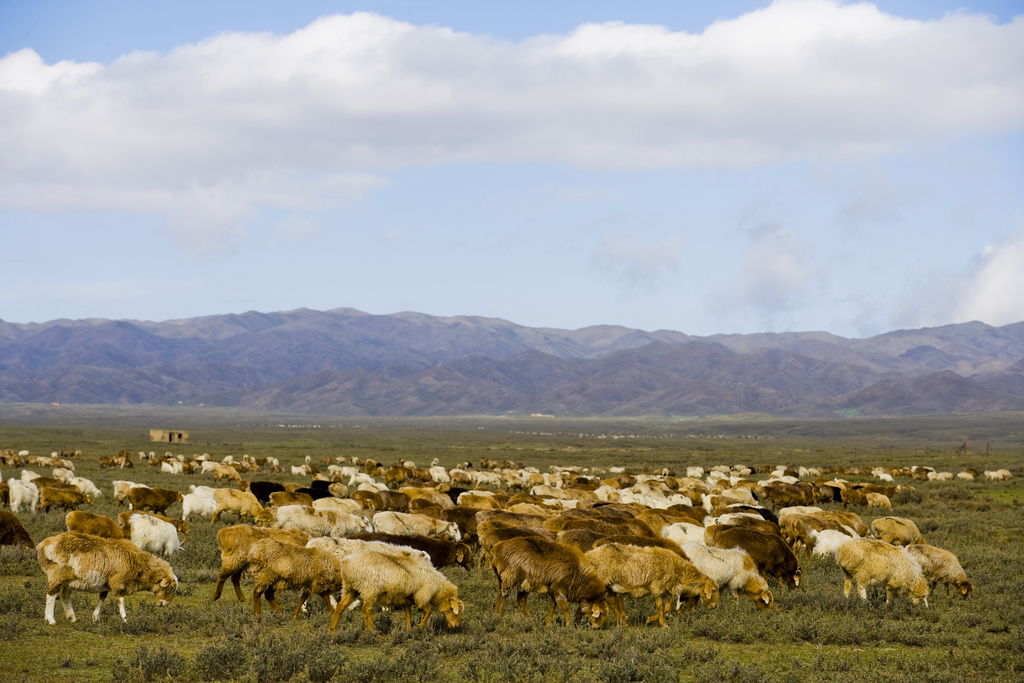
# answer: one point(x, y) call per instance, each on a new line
point(154, 535)
point(24, 495)
point(198, 504)
point(732, 570)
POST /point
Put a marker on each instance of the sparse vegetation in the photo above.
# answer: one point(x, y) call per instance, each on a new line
point(811, 634)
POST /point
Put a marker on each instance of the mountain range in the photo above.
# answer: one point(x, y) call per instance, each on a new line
point(347, 362)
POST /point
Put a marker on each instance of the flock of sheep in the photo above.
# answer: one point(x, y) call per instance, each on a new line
point(378, 535)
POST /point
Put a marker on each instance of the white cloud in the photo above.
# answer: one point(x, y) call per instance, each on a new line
point(635, 264)
point(296, 228)
point(801, 79)
point(393, 235)
point(989, 290)
point(776, 271)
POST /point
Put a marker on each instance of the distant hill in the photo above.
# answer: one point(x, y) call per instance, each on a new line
point(346, 362)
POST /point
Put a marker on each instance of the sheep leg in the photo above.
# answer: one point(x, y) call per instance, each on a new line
point(345, 601)
point(847, 584)
point(408, 617)
point(120, 608)
point(500, 604)
point(521, 599)
point(551, 612)
point(564, 604)
point(863, 592)
point(426, 614)
point(65, 600)
point(99, 606)
point(368, 615)
point(272, 599)
point(303, 596)
point(659, 609)
point(256, 600)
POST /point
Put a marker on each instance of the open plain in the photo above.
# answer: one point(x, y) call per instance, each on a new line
point(812, 633)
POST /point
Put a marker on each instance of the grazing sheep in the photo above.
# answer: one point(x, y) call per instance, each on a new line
point(73, 561)
point(534, 564)
point(768, 551)
point(12, 532)
point(199, 504)
point(731, 570)
point(278, 566)
point(154, 535)
point(399, 523)
point(320, 522)
point(442, 552)
point(235, 543)
point(90, 523)
point(640, 571)
point(243, 503)
point(872, 563)
point(24, 495)
point(941, 566)
point(878, 500)
point(64, 499)
point(827, 541)
point(896, 531)
point(397, 581)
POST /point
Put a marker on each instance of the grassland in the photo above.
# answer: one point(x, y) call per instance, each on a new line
point(811, 634)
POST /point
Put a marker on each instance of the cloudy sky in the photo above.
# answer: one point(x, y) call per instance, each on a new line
point(702, 167)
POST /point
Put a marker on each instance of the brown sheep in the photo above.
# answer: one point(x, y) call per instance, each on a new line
point(397, 580)
point(153, 500)
point(770, 553)
point(90, 523)
point(443, 553)
point(235, 543)
point(279, 566)
point(639, 571)
point(941, 566)
point(534, 564)
point(64, 499)
point(13, 533)
point(896, 531)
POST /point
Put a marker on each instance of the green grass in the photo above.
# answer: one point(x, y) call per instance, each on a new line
point(812, 634)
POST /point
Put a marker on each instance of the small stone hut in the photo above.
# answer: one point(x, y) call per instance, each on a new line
point(168, 435)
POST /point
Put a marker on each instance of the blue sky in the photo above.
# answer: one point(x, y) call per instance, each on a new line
point(702, 167)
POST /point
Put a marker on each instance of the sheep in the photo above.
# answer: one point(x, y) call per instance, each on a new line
point(73, 561)
point(397, 581)
point(320, 522)
point(23, 495)
point(639, 571)
point(198, 504)
point(278, 566)
point(870, 562)
point(154, 535)
point(90, 523)
point(879, 500)
point(941, 566)
point(896, 531)
point(13, 533)
point(442, 552)
point(827, 541)
point(732, 570)
point(534, 564)
point(121, 489)
point(86, 486)
point(338, 504)
point(241, 502)
point(235, 543)
point(399, 523)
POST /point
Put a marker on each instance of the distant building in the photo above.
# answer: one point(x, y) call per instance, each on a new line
point(168, 435)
